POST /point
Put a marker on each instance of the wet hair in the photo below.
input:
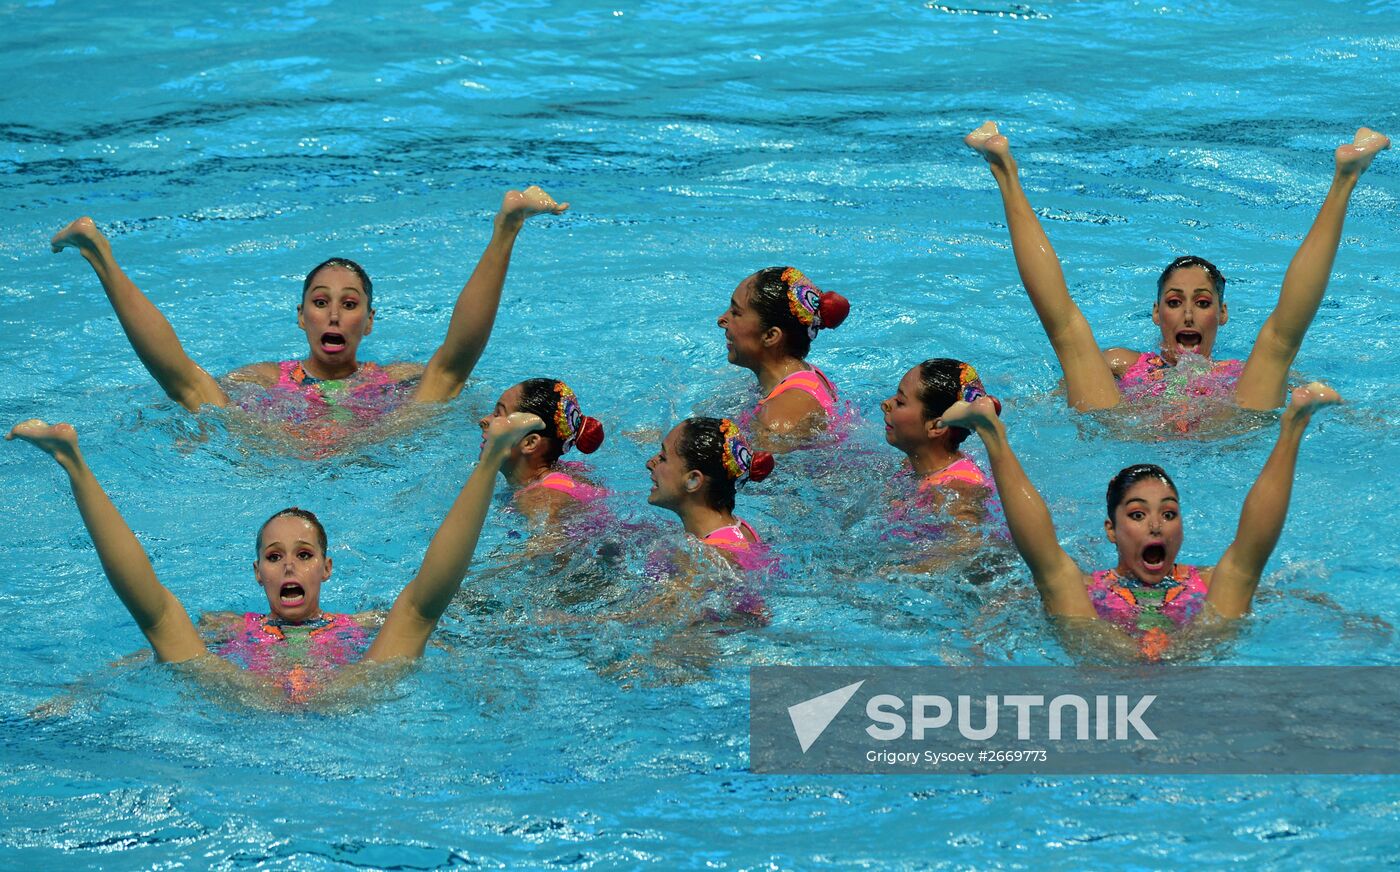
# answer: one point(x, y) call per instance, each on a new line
point(1126, 478)
point(940, 386)
point(771, 300)
point(544, 397)
point(344, 263)
point(1186, 262)
point(702, 447)
point(294, 512)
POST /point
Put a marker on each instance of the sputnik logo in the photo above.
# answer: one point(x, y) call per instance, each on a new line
point(810, 718)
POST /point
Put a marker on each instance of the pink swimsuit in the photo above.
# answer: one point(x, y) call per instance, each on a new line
point(298, 654)
point(964, 470)
point(566, 484)
point(1192, 376)
point(1141, 608)
point(368, 394)
point(812, 382)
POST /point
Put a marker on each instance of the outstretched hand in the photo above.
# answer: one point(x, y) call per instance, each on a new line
point(81, 234)
point(534, 200)
point(59, 441)
point(980, 412)
point(504, 432)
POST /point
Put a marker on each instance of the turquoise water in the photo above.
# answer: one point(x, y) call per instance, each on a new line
point(226, 149)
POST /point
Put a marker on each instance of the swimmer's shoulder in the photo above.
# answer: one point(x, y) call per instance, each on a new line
point(542, 503)
point(263, 374)
point(789, 417)
point(403, 371)
point(220, 626)
point(1120, 359)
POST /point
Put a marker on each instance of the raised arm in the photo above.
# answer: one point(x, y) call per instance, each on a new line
point(157, 612)
point(146, 328)
point(1261, 385)
point(1089, 382)
point(1058, 578)
point(1235, 577)
point(475, 312)
point(417, 609)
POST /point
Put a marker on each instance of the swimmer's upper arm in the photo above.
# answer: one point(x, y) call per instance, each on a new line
point(1120, 359)
point(1064, 588)
point(542, 503)
point(1229, 586)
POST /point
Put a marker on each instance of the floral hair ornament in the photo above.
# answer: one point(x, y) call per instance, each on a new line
point(572, 426)
point(970, 387)
point(739, 461)
point(810, 306)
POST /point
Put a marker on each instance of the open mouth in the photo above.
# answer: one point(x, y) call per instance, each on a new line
point(1154, 556)
point(1188, 339)
point(332, 342)
point(291, 594)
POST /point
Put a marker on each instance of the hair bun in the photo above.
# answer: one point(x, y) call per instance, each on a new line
point(833, 308)
point(761, 466)
point(996, 404)
point(590, 435)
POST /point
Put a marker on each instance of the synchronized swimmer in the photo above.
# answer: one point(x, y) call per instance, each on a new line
point(1190, 302)
point(331, 385)
point(298, 652)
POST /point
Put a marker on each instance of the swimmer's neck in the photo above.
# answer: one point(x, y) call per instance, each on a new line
point(525, 471)
point(701, 520)
point(284, 622)
point(932, 457)
point(329, 372)
point(771, 372)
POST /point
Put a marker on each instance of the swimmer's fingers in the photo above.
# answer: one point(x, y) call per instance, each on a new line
point(969, 415)
point(510, 429)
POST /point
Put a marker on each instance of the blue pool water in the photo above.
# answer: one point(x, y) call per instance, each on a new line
point(226, 148)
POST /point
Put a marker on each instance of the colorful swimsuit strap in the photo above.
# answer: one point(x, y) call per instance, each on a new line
point(812, 382)
point(556, 481)
point(963, 470)
point(738, 536)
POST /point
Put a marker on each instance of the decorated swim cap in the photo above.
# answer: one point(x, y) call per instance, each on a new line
point(970, 386)
point(739, 461)
point(572, 426)
point(812, 307)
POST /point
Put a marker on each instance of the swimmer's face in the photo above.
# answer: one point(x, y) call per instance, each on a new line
point(1189, 312)
point(905, 425)
point(335, 314)
point(1146, 527)
point(291, 568)
point(745, 337)
point(671, 481)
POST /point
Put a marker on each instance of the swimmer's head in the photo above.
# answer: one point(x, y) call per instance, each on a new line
point(1144, 522)
point(295, 512)
point(1121, 483)
point(565, 425)
point(1190, 306)
point(343, 263)
point(923, 395)
point(704, 457)
point(292, 563)
point(778, 311)
point(336, 313)
point(1187, 261)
